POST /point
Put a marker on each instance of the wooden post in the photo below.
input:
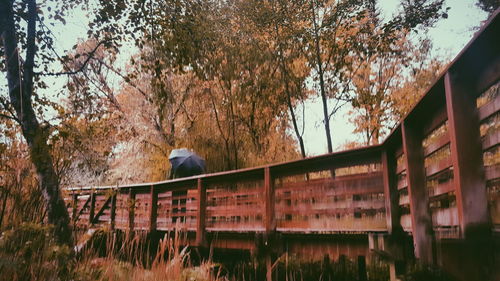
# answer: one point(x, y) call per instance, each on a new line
point(362, 275)
point(75, 207)
point(131, 208)
point(477, 249)
point(202, 209)
point(421, 219)
point(92, 208)
point(390, 192)
point(466, 154)
point(270, 223)
point(391, 209)
point(153, 214)
point(113, 209)
point(270, 220)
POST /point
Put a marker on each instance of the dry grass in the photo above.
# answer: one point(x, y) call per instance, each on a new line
point(130, 258)
point(29, 253)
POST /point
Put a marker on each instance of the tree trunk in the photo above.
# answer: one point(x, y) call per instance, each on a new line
point(4, 204)
point(321, 80)
point(296, 128)
point(284, 75)
point(20, 93)
point(221, 132)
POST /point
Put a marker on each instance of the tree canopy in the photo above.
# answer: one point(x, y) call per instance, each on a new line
point(227, 79)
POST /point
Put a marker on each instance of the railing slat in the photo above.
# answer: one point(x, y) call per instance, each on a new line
point(153, 215)
point(201, 216)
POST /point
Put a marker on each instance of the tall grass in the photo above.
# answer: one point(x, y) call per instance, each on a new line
point(136, 256)
point(29, 252)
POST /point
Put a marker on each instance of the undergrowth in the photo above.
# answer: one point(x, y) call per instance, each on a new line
point(29, 252)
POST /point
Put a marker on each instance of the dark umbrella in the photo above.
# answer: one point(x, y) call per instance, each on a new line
point(185, 163)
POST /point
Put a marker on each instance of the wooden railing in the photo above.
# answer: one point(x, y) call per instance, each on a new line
point(436, 174)
point(299, 196)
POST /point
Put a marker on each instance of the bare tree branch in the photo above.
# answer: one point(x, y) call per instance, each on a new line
point(80, 69)
point(9, 117)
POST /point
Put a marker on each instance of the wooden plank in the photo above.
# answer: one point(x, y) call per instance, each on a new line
point(400, 169)
point(95, 218)
point(489, 109)
point(438, 167)
point(466, 153)
point(490, 140)
point(201, 216)
point(492, 172)
point(379, 206)
point(402, 183)
point(437, 144)
point(345, 190)
point(443, 188)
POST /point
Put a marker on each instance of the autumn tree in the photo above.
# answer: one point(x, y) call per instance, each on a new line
point(335, 36)
point(421, 74)
point(380, 67)
point(22, 87)
point(237, 73)
point(278, 27)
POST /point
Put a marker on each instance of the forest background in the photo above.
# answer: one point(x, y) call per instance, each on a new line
point(236, 81)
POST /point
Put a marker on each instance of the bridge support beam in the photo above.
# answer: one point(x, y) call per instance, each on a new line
point(421, 221)
point(153, 210)
point(131, 210)
point(270, 221)
point(469, 181)
point(75, 207)
point(113, 210)
point(390, 192)
point(92, 208)
point(395, 243)
point(466, 154)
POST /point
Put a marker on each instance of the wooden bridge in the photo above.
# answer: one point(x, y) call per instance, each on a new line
point(434, 180)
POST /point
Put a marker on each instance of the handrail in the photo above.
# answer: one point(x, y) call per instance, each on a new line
point(309, 164)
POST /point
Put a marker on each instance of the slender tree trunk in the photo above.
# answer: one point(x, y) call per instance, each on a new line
point(219, 126)
point(295, 127)
point(4, 204)
point(284, 75)
point(20, 92)
point(233, 132)
point(319, 63)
